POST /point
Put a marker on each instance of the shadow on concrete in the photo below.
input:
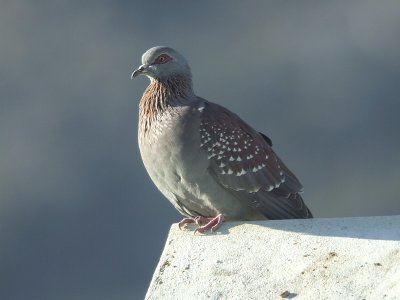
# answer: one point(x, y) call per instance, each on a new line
point(375, 228)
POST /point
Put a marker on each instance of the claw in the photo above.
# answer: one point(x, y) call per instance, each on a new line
point(186, 221)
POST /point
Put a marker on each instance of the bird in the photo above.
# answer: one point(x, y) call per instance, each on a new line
point(208, 162)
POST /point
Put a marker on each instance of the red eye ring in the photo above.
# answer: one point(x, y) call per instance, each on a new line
point(162, 59)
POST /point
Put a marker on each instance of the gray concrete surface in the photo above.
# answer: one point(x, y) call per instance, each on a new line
point(338, 258)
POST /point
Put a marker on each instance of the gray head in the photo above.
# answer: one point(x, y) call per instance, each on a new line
point(162, 62)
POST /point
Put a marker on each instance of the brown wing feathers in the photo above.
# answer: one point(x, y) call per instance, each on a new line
point(242, 160)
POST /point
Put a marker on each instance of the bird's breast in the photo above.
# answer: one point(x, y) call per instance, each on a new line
point(170, 146)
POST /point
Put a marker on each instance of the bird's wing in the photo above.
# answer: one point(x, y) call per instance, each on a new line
point(240, 157)
point(242, 160)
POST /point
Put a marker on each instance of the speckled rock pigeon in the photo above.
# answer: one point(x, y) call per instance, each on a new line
point(209, 163)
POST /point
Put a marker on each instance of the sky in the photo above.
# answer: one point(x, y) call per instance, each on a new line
point(79, 216)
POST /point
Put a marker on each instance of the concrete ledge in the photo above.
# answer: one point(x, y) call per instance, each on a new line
point(338, 258)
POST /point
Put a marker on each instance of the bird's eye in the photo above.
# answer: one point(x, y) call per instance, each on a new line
point(162, 59)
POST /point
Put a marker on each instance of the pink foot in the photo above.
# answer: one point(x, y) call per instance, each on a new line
point(199, 220)
point(204, 224)
point(210, 223)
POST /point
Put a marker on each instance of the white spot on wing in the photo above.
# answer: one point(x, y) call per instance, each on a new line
point(241, 172)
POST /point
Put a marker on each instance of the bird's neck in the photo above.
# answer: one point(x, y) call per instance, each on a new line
point(162, 94)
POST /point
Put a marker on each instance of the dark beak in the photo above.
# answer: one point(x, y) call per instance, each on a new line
point(139, 71)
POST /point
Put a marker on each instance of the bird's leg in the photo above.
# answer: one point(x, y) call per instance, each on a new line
point(199, 220)
point(209, 223)
point(204, 224)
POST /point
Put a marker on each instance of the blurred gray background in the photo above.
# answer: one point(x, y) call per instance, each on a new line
point(80, 218)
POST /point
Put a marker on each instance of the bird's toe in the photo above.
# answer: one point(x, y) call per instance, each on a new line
point(213, 224)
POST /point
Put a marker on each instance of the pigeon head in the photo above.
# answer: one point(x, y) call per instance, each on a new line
point(162, 63)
